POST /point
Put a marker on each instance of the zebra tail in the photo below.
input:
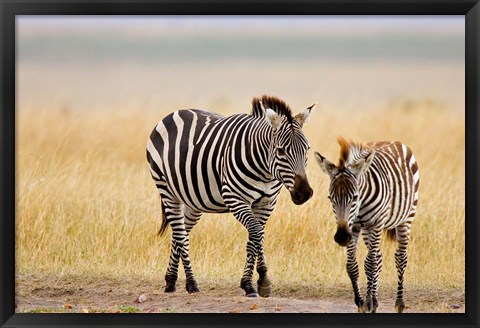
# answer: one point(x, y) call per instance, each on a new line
point(164, 225)
point(391, 234)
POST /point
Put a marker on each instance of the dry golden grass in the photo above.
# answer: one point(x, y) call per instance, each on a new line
point(87, 206)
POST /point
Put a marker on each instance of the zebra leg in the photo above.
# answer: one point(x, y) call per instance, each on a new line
point(255, 233)
point(191, 218)
point(244, 215)
point(377, 279)
point(264, 284)
point(373, 267)
point(174, 215)
point(352, 270)
point(262, 214)
point(171, 212)
point(403, 237)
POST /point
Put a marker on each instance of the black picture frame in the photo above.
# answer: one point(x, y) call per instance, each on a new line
point(10, 8)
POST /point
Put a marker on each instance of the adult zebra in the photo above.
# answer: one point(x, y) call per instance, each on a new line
point(204, 162)
point(374, 188)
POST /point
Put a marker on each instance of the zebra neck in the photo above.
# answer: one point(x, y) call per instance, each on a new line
point(260, 141)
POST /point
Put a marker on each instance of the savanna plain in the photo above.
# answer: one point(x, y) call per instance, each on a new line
point(88, 214)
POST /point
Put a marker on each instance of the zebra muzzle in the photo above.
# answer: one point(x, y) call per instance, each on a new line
point(342, 236)
point(301, 191)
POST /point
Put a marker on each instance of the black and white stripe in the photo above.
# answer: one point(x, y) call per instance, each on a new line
point(204, 162)
point(374, 188)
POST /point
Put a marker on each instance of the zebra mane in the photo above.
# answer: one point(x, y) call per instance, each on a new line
point(350, 151)
point(277, 105)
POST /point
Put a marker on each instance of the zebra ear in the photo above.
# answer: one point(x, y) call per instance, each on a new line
point(326, 166)
point(302, 118)
point(273, 118)
point(361, 166)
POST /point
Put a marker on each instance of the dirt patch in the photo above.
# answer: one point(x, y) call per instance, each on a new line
point(76, 294)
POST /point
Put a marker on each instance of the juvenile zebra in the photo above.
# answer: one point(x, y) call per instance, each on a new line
point(203, 162)
point(373, 188)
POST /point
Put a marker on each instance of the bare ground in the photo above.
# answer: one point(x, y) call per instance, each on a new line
point(79, 294)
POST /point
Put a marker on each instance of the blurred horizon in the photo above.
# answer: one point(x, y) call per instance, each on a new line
point(151, 61)
point(317, 24)
point(57, 39)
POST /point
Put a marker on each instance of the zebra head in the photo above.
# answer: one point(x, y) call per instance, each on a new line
point(344, 193)
point(288, 152)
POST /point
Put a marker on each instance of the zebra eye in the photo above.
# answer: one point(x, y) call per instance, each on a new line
point(281, 151)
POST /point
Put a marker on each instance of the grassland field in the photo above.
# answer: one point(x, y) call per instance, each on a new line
point(88, 214)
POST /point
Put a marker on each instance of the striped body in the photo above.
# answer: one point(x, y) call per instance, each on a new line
point(195, 148)
point(390, 186)
point(204, 162)
point(374, 188)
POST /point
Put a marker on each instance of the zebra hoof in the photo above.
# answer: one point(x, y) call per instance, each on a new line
point(246, 285)
point(170, 288)
point(399, 306)
point(374, 305)
point(369, 306)
point(264, 291)
point(170, 282)
point(192, 287)
point(264, 287)
point(361, 309)
point(359, 304)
